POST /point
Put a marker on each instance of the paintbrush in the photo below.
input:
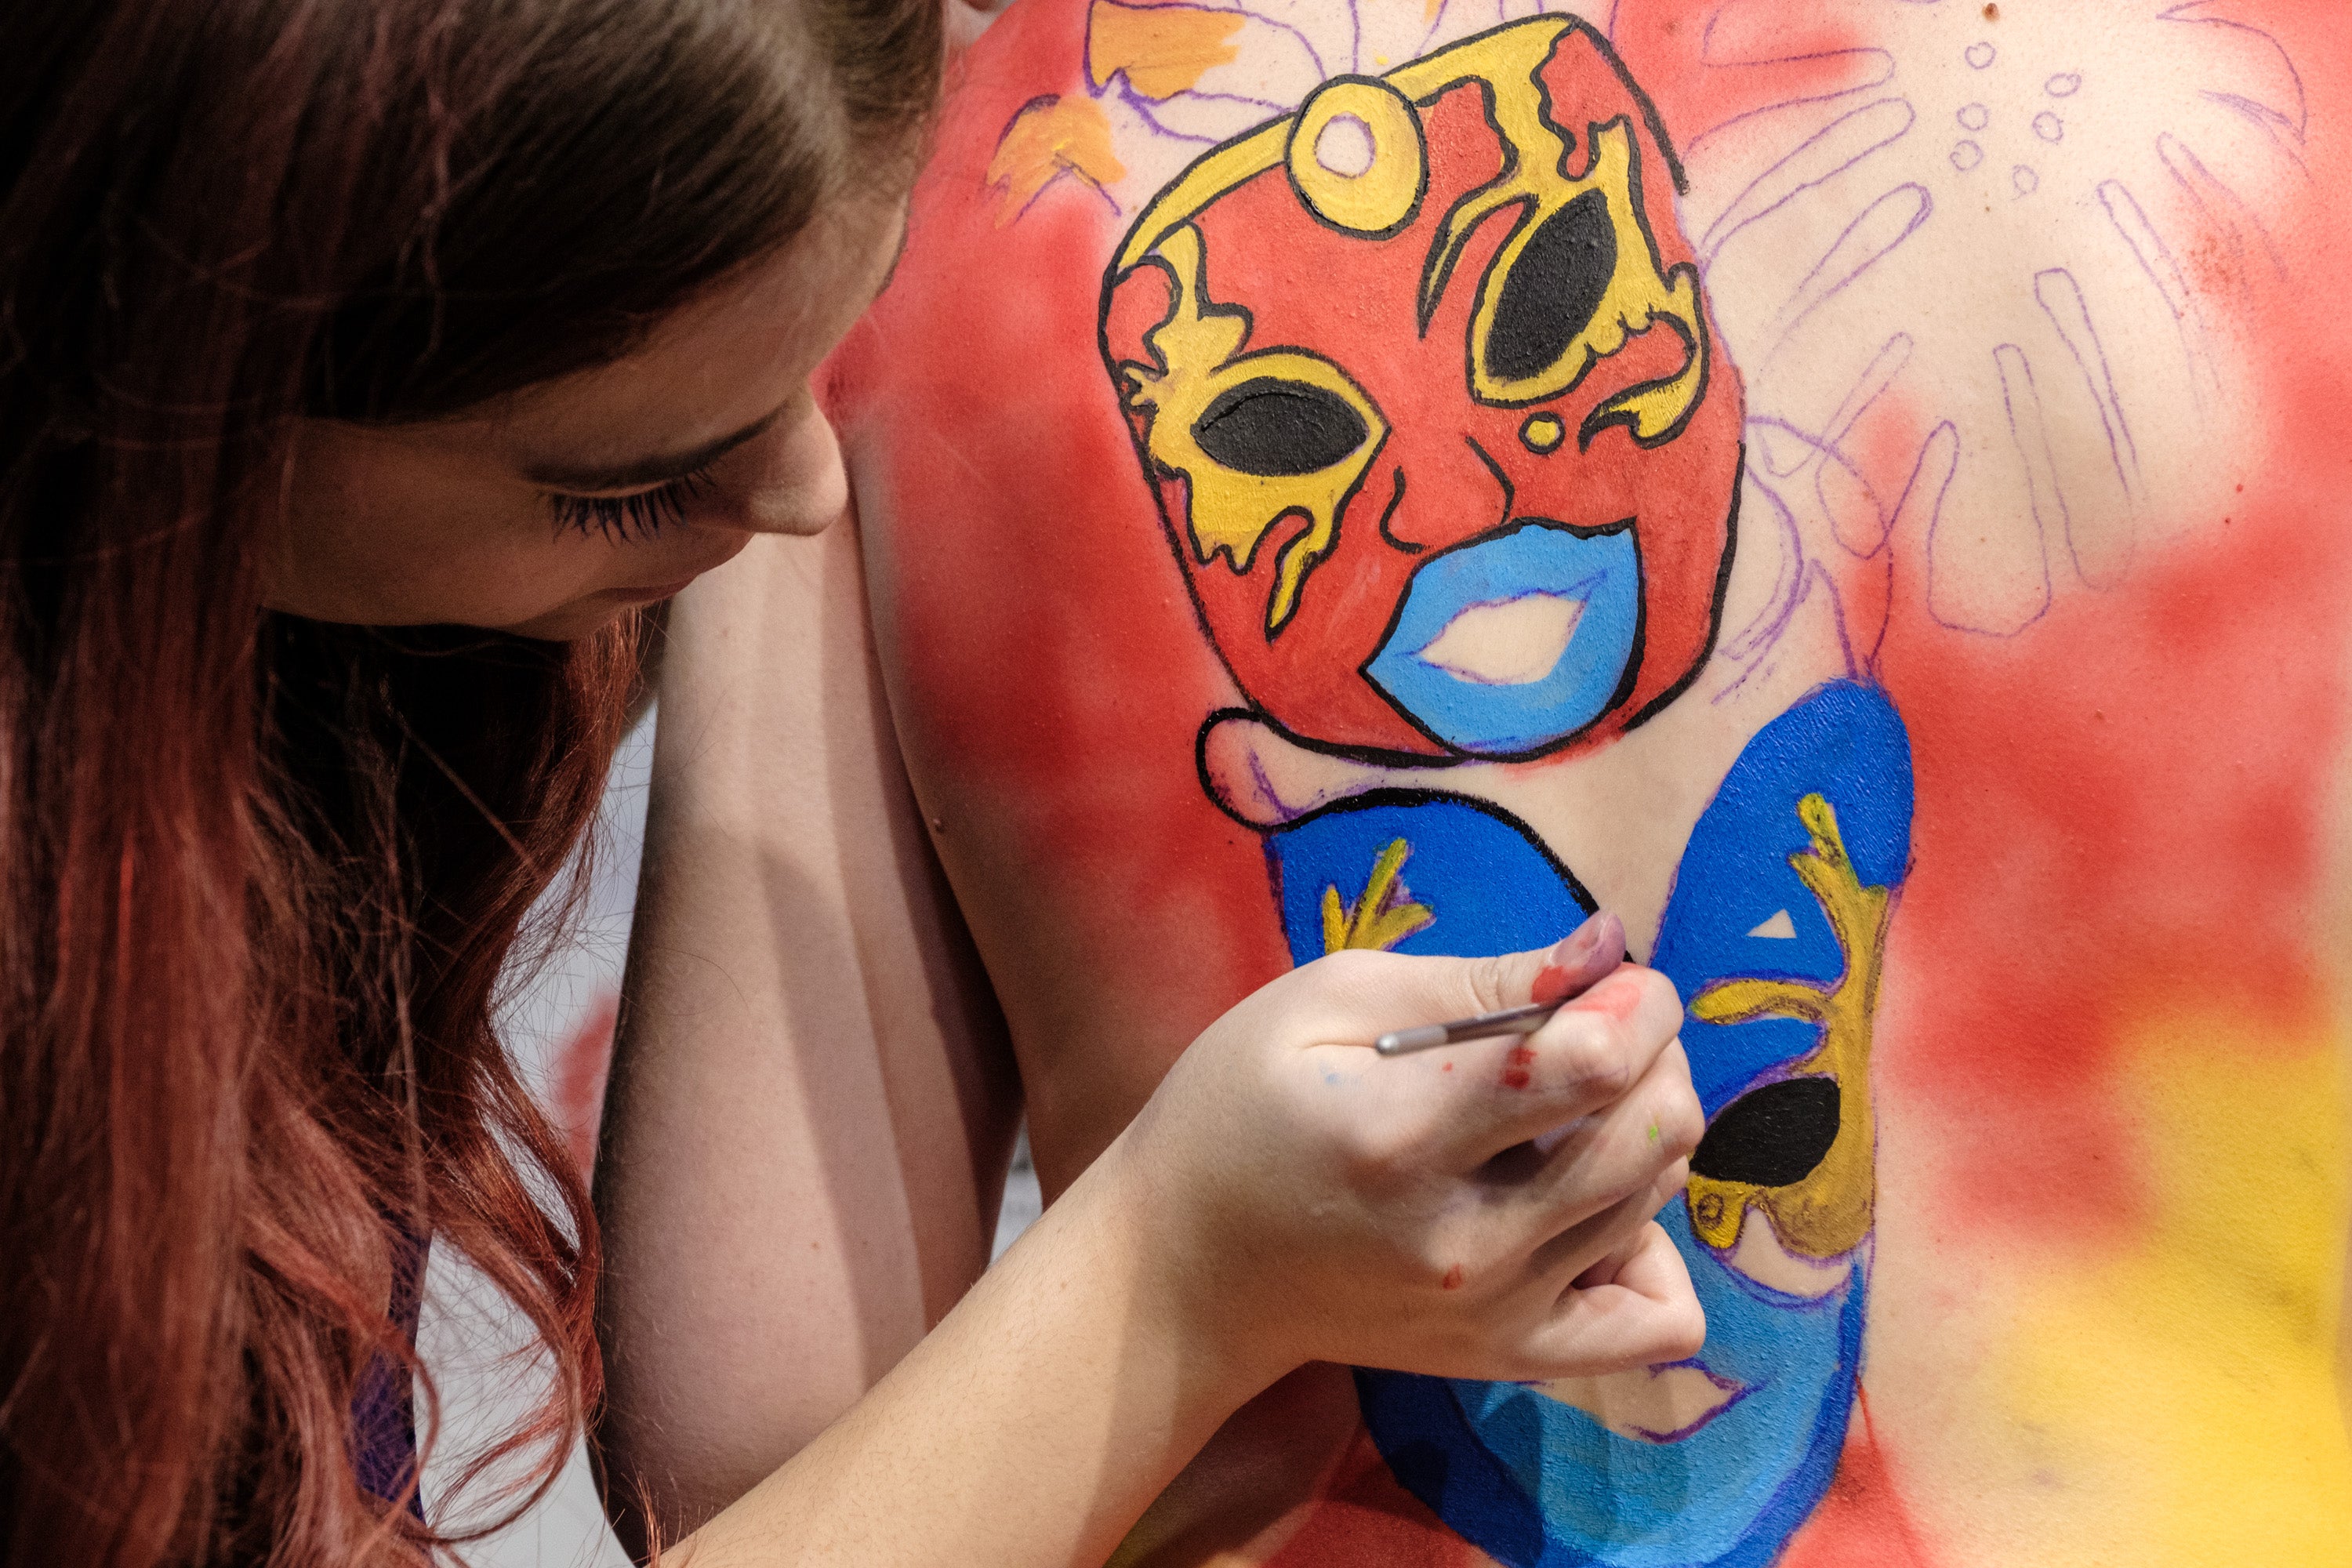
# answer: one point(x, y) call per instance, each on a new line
point(1599, 960)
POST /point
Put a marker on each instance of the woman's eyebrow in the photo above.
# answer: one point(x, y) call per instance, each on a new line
point(640, 472)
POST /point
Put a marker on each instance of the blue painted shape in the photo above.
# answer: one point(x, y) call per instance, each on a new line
point(1536, 1483)
point(1846, 742)
point(1603, 571)
point(1489, 881)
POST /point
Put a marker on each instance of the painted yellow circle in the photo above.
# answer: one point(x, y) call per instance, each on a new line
point(1357, 157)
point(1542, 432)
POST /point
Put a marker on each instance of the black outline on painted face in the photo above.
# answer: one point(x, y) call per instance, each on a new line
point(1592, 424)
point(1412, 798)
point(1396, 499)
point(1298, 115)
point(1437, 267)
point(1150, 472)
point(1705, 654)
point(1156, 472)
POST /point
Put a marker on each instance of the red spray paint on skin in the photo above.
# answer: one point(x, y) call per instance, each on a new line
point(1061, 676)
point(1363, 1517)
point(2076, 854)
point(1747, 58)
point(1861, 1523)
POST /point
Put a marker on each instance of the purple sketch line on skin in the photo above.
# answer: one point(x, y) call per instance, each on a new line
point(2029, 431)
point(1066, 171)
point(1929, 487)
point(1436, 22)
point(1251, 13)
point(2299, 120)
point(2185, 167)
point(2155, 260)
point(1710, 58)
point(1828, 153)
point(1751, 641)
point(1876, 376)
point(1869, 239)
point(1264, 108)
point(1135, 101)
point(1822, 458)
point(1063, 168)
point(2060, 299)
point(2267, 120)
point(1868, 387)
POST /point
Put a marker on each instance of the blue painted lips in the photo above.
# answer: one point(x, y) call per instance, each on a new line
point(1524, 709)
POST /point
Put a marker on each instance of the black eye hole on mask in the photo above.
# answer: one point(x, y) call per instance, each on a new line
point(1278, 429)
point(1550, 293)
point(1771, 1136)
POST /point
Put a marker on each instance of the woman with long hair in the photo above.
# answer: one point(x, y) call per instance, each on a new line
point(366, 371)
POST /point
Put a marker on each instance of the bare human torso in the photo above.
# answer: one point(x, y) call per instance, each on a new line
point(1853, 490)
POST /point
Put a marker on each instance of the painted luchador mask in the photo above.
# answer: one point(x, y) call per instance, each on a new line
point(1425, 379)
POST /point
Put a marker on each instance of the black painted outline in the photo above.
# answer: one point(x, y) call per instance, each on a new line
point(1232, 398)
point(1154, 471)
point(1375, 799)
point(1700, 345)
point(1437, 267)
point(1705, 655)
point(1488, 282)
point(1743, 1097)
point(1297, 123)
point(1113, 275)
point(1396, 499)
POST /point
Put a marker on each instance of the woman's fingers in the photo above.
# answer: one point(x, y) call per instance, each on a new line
point(1592, 1248)
point(1646, 1313)
point(1351, 998)
point(1594, 1053)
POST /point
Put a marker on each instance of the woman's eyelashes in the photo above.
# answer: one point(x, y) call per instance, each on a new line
point(625, 518)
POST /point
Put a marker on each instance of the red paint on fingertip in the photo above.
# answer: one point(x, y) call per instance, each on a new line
point(1553, 982)
point(1616, 998)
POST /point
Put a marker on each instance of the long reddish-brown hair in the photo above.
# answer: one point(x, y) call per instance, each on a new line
point(259, 877)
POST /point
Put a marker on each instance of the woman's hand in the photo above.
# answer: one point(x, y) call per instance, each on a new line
point(1482, 1210)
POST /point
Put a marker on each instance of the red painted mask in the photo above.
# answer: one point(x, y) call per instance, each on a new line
point(1426, 386)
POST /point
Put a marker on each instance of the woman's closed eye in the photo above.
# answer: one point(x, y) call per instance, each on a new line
point(638, 515)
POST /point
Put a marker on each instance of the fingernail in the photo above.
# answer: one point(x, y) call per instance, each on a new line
point(1581, 942)
point(1581, 958)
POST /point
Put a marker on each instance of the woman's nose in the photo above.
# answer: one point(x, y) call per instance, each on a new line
point(801, 486)
point(1445, 489)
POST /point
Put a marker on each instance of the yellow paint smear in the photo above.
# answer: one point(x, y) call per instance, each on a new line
point(1163, 49)
point(1045, 142)
point(1383, 916)
point(2180, 1405)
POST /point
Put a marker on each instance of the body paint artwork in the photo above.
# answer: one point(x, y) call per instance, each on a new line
point(1897, 570)
point(1545, 395)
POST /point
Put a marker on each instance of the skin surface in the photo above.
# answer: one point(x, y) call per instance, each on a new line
point(2042, 452)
